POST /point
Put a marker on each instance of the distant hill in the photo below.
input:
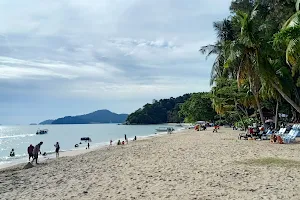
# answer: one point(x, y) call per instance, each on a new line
point(49, 121)
point(99, 116)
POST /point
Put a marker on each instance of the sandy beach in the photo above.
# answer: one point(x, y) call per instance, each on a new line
point(186, 165)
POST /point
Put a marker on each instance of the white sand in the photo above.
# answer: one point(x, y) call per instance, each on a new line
point(188, 165)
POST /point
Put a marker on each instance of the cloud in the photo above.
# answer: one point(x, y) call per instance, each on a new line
point(40, 69)
point(91, 53)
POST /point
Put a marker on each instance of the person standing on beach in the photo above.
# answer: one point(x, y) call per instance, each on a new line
point(126, 139)
point(88, 145)
point(110, 142)
point(36, 151)
point(57, 147)
point(30, 151)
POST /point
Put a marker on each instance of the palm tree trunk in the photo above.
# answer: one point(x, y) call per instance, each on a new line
point(259, 110)
point(276, 116)
point(243, 110)
point(286, 97)
point(237, 109)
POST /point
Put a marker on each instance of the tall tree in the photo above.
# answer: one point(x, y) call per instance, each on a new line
point(198, 107)
point(244, 55)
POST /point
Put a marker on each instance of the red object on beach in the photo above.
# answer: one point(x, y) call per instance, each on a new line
point(251, 130)
point(279, 139)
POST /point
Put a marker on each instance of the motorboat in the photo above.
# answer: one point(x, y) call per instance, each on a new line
point(41, 132)
point(165, 129)
point(87, 139)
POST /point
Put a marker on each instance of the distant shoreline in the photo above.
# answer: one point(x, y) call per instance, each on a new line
point(75, 152)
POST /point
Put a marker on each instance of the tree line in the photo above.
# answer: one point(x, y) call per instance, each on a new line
point(186, 108)
point(257, 58)
point(256, 67)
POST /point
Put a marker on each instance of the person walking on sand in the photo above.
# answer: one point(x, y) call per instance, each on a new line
point(57, 147)
point(36, 151)
point(126, 139)
point(88, 145)
point(30, 151)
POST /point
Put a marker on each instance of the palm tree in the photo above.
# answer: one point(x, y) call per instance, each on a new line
point(244, 55)
point(289, 35)
point(225, 32)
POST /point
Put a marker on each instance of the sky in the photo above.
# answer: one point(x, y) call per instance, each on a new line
point(70, 57)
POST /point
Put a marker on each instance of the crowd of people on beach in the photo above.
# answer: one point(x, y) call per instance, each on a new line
point(123, 142)
point(35, 151)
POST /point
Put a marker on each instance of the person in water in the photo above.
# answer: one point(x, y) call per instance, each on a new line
point(12, 153)
point(36, 151)
point(57, 147)
point(30, 151)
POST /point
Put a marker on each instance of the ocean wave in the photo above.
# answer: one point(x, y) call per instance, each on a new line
point(8, 158)
point(16, 136)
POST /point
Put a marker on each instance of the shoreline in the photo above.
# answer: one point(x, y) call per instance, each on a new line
point(75, 152)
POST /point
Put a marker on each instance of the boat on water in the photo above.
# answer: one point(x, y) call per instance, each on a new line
point(41, 132)
point(86, 139)
point(165, 129)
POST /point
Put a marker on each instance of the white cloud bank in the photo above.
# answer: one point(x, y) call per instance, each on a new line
point(104, 50)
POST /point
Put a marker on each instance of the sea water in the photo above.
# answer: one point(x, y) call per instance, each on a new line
point(20, 137)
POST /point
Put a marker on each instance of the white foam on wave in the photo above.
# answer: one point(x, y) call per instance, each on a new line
point(16, 136)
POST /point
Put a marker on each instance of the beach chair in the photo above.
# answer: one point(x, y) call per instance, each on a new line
point(281, 131)
point(267, 135)
point(291, 136)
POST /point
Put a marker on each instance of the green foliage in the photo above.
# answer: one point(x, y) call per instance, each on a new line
point(197, 108)
point(245, 122)
point(162, 111)
point(253, 46)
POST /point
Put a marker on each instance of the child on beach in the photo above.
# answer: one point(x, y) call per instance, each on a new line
point(215, 129)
